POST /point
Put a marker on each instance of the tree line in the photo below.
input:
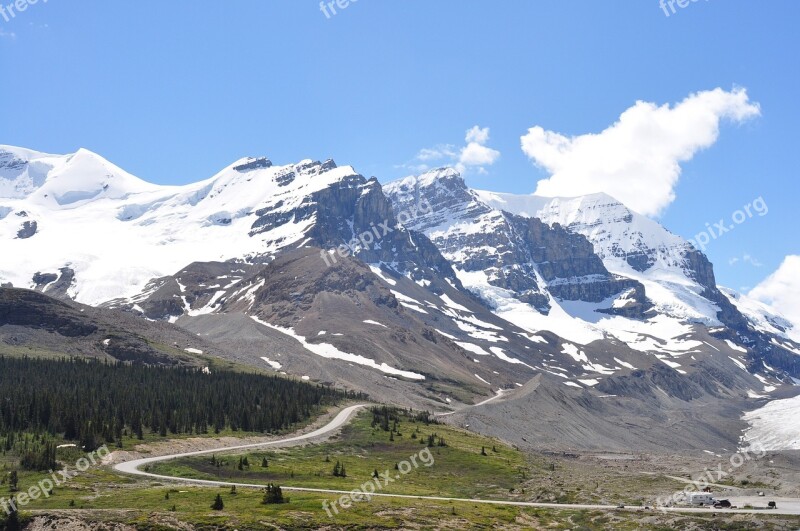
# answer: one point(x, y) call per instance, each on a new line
point(97, 402)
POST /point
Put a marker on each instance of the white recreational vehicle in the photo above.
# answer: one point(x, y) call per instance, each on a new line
point(700, 498)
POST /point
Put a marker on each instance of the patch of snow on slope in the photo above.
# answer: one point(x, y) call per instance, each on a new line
point(208, 308)
point(502, 355)
point(775, 426)
point(738, 363)
point(379, 272)
point(329, 351)
point(735, 347)
point(448, 336)
point(274, 364)
point(449, 302)
point(481, 379)
point(408, 302)
point(526, 317)
point(625, 364)
point(469, 347)
point(581, 357)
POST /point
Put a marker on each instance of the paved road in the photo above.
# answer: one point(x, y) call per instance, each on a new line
point(132, 467)
point(785, 507)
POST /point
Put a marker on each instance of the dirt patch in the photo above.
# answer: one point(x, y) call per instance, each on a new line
point(59, 522)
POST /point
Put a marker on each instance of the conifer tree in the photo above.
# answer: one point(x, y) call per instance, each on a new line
point(218, 504)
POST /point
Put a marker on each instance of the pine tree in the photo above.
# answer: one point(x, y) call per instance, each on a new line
point(218, 505)
point(12, 520)
point(13, 480)
point(273, 495)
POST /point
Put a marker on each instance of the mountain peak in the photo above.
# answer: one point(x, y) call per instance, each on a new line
point(63, 180)
point(446, 177)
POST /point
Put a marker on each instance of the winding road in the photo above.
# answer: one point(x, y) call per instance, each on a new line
point(132, 467)
point(785, 507)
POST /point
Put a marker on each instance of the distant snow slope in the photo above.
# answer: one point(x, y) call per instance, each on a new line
point(763, 317)
point(775, 426)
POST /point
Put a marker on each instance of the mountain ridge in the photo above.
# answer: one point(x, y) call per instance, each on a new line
point(422, 289)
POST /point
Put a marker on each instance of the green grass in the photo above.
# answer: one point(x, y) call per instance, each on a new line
point(459, 469)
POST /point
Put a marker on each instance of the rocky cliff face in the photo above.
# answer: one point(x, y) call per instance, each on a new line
point(522, 254)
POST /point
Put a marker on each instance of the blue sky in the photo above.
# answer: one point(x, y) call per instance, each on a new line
point(174, 93)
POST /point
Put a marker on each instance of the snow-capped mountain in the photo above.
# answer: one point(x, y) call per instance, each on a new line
point(678, 278)
point(675, 274)
point(111, 233)
point(423, 289)
point(659, 274)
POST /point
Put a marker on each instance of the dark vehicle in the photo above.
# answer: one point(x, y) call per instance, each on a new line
point(722, 504)
point(772, 505)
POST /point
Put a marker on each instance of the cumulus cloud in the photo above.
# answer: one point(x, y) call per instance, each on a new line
point(474, 155)
point(637, 160)
point(781, 290)
point(477, 135)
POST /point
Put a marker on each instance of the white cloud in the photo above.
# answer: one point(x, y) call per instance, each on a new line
point(747, 259)
point(437, 153)
point(7, 35)
point(475, 154)
point(781, 290)
point(637, 159)
point(478, 135)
